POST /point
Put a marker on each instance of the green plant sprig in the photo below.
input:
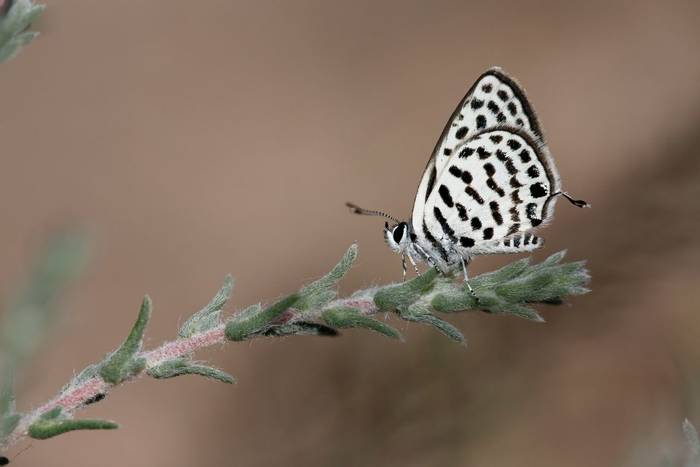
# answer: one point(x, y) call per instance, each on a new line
point(16, 16)
point(313, 310)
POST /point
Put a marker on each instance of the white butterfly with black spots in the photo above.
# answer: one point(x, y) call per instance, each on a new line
point(488, 185)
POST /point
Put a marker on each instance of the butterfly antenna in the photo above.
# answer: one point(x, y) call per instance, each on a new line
point(366, 212)
point(576, 202)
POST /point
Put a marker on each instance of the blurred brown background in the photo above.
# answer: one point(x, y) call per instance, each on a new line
point(190, 139)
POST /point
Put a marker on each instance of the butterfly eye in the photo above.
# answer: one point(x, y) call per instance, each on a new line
point(398, 232)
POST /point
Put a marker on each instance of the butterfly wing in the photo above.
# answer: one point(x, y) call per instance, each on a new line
point(494, 100)
point(495, 187)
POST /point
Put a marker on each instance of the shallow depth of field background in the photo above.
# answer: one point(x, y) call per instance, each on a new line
point(191, 139)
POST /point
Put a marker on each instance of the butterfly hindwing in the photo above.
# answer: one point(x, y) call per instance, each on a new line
point(494, 100)
point(494, 188)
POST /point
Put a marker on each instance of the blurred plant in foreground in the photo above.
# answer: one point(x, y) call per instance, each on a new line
point(314, 310)
point(691, 437)
point(16, 16)
point(24, 324)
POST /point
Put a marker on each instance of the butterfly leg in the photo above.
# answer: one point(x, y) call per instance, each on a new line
point(425, 255)
point(413, 262)
point(466, 277)
point(403, 265)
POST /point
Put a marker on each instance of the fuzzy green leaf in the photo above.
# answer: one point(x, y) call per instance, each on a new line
point(13, 27)
point(254, 320)
point(8, 423)
point(322, 291)
point(123, 363)
point(209, 316)
point(691, 438)
point(401, 296)
point(183, 366)
point(345, 317)
point(421, 316)
point(510, 288)
point(9, 418)
point(29, 317)
point(45, 429)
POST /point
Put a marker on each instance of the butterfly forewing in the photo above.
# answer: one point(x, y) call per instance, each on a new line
point(495, 100)
point(496, 185)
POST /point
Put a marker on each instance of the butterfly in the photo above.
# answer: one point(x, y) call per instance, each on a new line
point(489, 184)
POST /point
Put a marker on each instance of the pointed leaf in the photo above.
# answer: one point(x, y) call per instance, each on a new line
point(123, 363)
point(45, 429)
point(254, 320)
point(209, 316)
point(322, 291)
point(691, 437)
point(183, 366)
point(345, 317)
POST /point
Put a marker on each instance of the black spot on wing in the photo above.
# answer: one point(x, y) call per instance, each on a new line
point(513, 228)
point(538, 190)
point(480, 122)
point(514, 214)
point(496, 138)
point(449, 231)
point(454, 170)
point(507, 161)
point(445, 196)
point(515, 196)
point(488, 233)
point(512, 108)
point(431, 182)
point(462, 212)
point(531, 212)
point(487, 88)
point(526, 238)
point(476, 223)
point(435, 243)
point(466, 152)
point(493, 107)
point(514, 144)
point(483, 153)
point(491, 183)
point(477, 104)
point(524, 156)
point(500, 117)
point(490, 169)
point(466, 242)
point(520, 122)
point(495, 213)
point(462, 132)
point(447, 151)
point(516, 242)
point(473, 193)
point(502, 95)
point(514, 182)
point(533, 172)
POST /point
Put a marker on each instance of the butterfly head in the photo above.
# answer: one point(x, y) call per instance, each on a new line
point(397, 236)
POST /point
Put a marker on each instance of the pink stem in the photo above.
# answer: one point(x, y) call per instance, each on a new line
point(75, 398)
